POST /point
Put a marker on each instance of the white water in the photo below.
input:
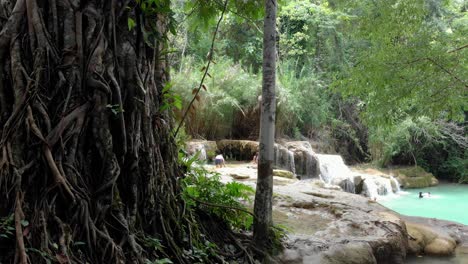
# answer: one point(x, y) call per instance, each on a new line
point(397, 184)
point(334, 171)
point(292, 165)
point(200, 148)
point(377, 186)
point(284, 158)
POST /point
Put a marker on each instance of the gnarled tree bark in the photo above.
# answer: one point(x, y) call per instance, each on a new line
point(85, 152)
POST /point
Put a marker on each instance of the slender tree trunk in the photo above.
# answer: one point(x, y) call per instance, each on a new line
point(264, 193)
point(85, 152)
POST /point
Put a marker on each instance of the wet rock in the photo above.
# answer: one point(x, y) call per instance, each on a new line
point(358, 184)
point(347, 185)
point(440, 247)
point(283, 174)
point(424, 240)
point(305, 159)
point(239, 176)
point(355, 253)
point(238, 149)
point(284, 159)
point(414, 177)
point(207, 149)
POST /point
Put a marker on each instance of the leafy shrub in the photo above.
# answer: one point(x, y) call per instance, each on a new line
point(230, 90)
point(438, 147)
point(204, 190)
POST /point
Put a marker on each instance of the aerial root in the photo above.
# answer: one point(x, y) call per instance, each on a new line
point(19, 217)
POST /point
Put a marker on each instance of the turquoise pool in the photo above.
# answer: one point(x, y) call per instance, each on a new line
point(447, 201)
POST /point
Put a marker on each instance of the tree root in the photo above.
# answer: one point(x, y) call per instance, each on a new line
point(19, 217)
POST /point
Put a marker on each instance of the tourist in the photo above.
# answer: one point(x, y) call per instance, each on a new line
point(255, 158)
point(219, 161)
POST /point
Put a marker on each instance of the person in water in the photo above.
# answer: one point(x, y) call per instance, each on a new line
point(428, 194)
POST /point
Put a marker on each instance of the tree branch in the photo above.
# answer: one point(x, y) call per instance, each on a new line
point(210, 57)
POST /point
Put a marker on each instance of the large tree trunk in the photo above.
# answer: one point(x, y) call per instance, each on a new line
point(85, 152)
point(264, 192)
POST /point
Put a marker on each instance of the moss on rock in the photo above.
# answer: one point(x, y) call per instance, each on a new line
point(283, 173)
point(238, 149)
point(415, 177)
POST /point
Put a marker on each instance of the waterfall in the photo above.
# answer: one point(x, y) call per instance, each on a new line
point(292, 165)
point(396, 183)
point(202, 152)
point(309, 164)
point(284, 158)
point(333, 170)
point(375, 186)
point(370, 188)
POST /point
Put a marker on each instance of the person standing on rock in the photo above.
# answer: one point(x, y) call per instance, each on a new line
point(255, 158)
point(219, 161)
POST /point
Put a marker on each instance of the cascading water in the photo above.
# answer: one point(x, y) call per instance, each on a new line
point(333, 170)
point(370, 188)
point(284, 158)
point(396, 184)
point(292, 165)
point(202, 152)
point(375, 186)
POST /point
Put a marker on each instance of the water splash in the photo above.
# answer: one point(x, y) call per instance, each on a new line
point(377, 186)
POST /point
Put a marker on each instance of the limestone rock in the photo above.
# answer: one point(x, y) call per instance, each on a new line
point(238, 149)
point(355, 253)
point(440, 247)
point(358, 184)
point(414, 177)
point(284, 158)
point(283, 173)
point(305, 159)
point(239, 176)
point(424, 240)
point(207, 149)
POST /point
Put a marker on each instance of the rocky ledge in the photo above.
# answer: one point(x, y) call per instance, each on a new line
point(328, 226)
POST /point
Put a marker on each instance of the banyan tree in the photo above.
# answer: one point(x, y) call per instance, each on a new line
point(88, 166)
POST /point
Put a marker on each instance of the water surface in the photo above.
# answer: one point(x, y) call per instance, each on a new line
point(447, 201)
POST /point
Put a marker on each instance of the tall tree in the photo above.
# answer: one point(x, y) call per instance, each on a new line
point(263, 196)
point(85, 151)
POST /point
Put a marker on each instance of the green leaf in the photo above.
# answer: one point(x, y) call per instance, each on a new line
point(163, 261)
point(131, 23)
point(24, 223)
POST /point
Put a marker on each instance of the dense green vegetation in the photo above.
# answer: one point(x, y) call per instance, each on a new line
point(381, 81)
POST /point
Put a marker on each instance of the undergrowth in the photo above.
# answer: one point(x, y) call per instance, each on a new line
point(204, 190)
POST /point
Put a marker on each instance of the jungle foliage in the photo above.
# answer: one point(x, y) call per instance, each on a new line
point(350, 75)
